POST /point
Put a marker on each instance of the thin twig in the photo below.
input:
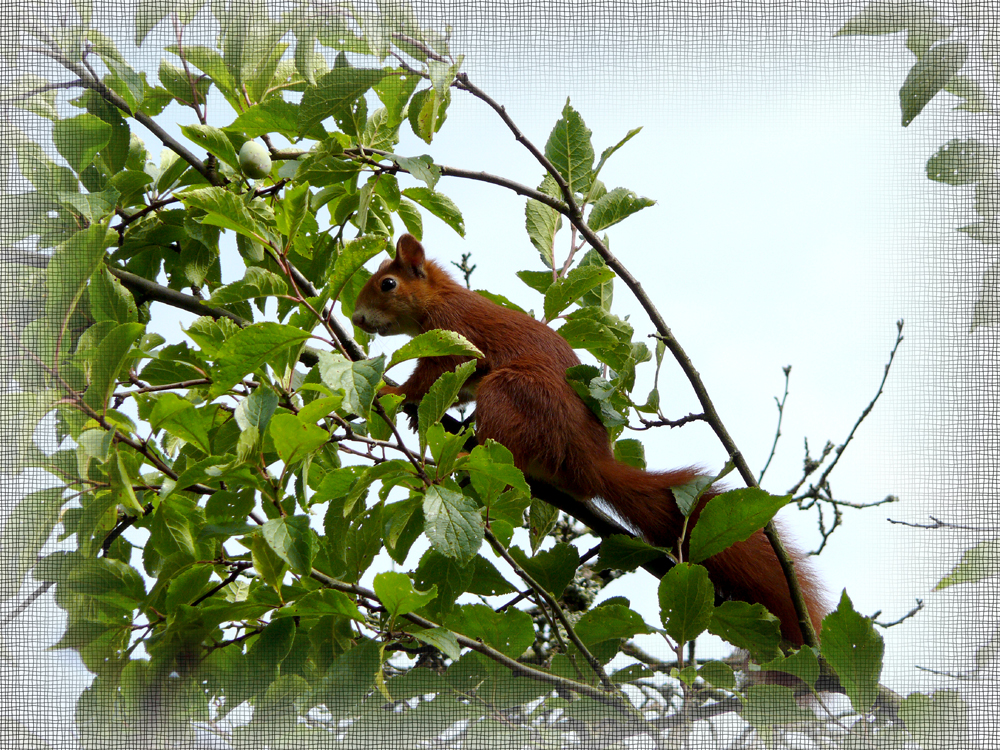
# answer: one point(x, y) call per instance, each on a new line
point(938, 524)
point(787, 369)
point(560, 683)
point(907, 616)
point(32, 598)
point(867, 410)
point(648, 424)
point(553, 605)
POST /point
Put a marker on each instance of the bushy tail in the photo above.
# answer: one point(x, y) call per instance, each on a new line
point(748, 571)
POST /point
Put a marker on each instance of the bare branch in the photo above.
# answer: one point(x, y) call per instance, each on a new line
point(787, 369)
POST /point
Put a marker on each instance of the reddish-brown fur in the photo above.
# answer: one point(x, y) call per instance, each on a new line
point(525, 403)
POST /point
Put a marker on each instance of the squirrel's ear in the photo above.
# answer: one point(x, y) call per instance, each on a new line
point(410, 253)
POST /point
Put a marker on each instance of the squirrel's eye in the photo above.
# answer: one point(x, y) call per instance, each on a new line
point(388, 284)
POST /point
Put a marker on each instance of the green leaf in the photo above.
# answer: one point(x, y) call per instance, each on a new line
point(939, 720)
point(274, 115)
point(393, 472)
point(439, 205)
point(570, 150)
point(106, 580)
point(292, 540)
point(214, 141)
point(747, 626)
point(295, 439)
point(687, 600)
point(326, 170)
point(148, 14)
point(453, 523)
point(445, 447)
point(597, 393)
point(123, 80)
point(321, 603)
point(335, 93)
point(179, 416)
point(295, 211)
point(175, 528)
point(395, 591)
point(26, 528)
point(542, 223)
point(250, 348)
point(358, 380)
point(888, 17)
point(412, 220)
point(568, 290)
point(121, 485)
point(767, 705)
point(686, 495)
point(803, 663)
point(441, 639)
point(78, 139)
point(427, 112)
point(212, 63)
point(610, 622)
point(354, 255)
point(854, 649)
point(109, 300)
point(319, 408)
point(976, 564)
point(630, 452)
point(540, 281)
point(257, 282)
point(440, 397)
point(491, 469)
point(553, 569)
point(510, 632)
point(269, 566)
point(404, 522)
point(451, 577)
point(606, 153)
point(615, 206)
point(487, 580)
point(542, 518)
point(421, 167)
point(621, 552)
point(987, 309)
point(394, 92)
point(509, 508)
point(958, 162)
point(226, 210)
point(968, 89)
point(602, 294)
point(732, 517)
point(928, 76)
point(718, 674)
point(67, 273)
point(106, 363)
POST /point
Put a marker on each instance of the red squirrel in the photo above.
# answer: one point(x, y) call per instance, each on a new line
point(524, 402)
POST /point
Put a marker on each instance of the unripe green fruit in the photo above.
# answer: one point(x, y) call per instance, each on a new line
point(254, 160)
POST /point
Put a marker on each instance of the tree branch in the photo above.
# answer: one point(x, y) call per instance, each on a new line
point(663, 333)
point(89, 80)
point(595, 665)
point(614, 700)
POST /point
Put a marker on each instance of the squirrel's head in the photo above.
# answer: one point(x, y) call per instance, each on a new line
point(395, 299)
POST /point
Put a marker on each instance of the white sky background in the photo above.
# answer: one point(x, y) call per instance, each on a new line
point(794, 225)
